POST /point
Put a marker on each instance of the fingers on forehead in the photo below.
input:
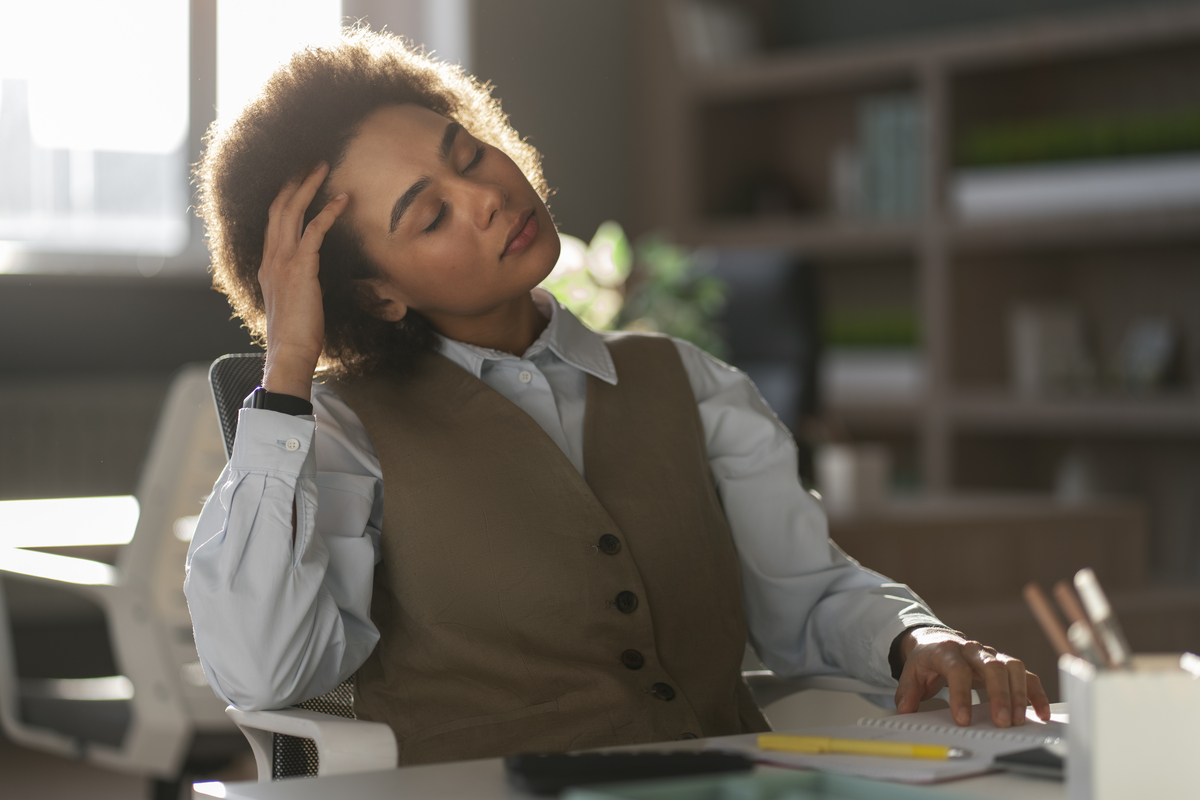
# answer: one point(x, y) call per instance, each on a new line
point(298, 182)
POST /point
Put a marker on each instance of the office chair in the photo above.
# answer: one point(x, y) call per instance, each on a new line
point(322, 737)
point(308, 738)
point(97, 661)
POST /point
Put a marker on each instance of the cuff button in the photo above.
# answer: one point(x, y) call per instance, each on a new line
point(292, 445)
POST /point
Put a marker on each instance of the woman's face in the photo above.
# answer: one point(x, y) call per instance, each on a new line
point(452, 223)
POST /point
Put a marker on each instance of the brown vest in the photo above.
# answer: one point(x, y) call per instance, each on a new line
point(506, 624)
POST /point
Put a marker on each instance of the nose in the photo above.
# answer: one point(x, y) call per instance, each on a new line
point(484, 201)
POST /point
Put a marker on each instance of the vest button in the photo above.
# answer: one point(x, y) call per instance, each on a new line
point(632, 659)
point(627, 602)
point(689, 736)
point(610, 544)
point(662, 691)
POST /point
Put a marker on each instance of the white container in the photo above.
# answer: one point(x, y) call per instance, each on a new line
point(1133, 733)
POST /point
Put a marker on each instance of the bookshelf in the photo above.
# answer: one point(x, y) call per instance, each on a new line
point(702, 127)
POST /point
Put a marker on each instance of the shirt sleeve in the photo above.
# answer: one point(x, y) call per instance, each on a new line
point(810, 608)
point(276, 623)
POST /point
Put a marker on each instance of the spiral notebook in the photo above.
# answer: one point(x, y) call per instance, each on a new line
point(983, 739)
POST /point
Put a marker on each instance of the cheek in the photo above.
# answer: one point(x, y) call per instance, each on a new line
point(444, 272)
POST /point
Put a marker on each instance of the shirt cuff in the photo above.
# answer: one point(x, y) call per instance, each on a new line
point(269, 441)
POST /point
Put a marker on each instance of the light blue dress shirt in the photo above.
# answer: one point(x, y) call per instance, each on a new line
point(277, 622)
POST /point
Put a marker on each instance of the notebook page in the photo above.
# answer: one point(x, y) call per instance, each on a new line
point(982, 739)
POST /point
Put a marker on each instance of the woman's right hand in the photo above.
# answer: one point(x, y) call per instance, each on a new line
point(291, 291)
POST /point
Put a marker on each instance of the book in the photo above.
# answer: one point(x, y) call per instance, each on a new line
point(1077, 187)
point(983, 739)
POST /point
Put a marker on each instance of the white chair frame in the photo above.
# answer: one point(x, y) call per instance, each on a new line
point(144, 610)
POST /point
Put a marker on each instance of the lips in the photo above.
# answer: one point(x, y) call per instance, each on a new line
point(522, 233)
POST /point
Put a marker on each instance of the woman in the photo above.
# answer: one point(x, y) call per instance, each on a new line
point(578, 531)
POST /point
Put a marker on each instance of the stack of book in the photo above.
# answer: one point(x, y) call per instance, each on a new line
point(881, 178)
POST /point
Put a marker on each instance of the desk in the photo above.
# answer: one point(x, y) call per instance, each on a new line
point(485, 780)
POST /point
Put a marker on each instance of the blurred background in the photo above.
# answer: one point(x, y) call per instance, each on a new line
point(956, 243)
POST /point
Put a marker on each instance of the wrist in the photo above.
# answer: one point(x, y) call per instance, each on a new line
point(289, 375)
point(276, 401)
point(289, 385)
point(906, 642)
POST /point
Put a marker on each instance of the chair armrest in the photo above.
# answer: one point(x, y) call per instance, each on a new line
point(343, 745)
point(768, 687)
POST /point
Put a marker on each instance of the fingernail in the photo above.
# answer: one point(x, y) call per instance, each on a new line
point(963, 717)
point(340, 196)
point(1003, 717)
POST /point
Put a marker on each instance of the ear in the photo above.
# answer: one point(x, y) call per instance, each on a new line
point(380, 299)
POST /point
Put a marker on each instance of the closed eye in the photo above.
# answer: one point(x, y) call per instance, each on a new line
point(437, 220)
point(474, 161)
point(442, 211)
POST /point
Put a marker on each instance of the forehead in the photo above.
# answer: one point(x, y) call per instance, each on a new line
point(406, 127)
point(393, 147)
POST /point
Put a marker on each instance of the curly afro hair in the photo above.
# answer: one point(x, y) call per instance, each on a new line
point(308, 112)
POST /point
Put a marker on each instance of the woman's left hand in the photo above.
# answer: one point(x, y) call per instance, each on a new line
point(936, 658)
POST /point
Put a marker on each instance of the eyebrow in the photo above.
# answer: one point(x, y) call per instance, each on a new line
point(409, 197)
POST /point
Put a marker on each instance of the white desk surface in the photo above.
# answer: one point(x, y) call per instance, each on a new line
point(485, 780)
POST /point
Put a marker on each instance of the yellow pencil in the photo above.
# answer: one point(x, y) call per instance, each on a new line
point(862, 747)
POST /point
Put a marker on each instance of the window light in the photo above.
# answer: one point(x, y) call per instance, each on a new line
point(68, 521)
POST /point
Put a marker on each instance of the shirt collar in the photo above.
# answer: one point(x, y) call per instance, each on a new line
point(565, 336)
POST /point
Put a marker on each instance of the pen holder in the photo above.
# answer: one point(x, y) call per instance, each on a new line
point(1133, 732)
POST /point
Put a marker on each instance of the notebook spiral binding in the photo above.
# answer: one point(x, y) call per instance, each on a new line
point(1017, 737)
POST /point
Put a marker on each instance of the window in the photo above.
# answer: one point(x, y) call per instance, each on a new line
point(256, 36)
point(93, 126)
point(96, 139)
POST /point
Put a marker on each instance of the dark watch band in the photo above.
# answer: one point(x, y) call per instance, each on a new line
point(283, 403)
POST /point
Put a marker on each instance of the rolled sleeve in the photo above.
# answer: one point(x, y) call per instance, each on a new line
point(275, 622)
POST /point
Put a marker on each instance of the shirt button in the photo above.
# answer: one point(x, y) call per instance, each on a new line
point(627, 602)
point(632, 659)
point(292, 445)
point(610, 544)
point(662, 691)
point(525, 377)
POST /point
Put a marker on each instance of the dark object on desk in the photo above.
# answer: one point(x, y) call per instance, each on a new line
point(1038, 761)
point(550, 774)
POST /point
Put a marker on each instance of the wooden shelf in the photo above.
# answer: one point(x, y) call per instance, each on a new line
point(1081, 231)
point(852, 238)
point(1002, 412)
point(874, 63)
point(811, 236)
point(897, 416)
point(711, 129)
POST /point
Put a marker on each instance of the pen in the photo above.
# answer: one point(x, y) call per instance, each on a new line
point(1051, 626)
point(862, 747)
point(1099, 612)
point(1066, 598)
point(1083, 643)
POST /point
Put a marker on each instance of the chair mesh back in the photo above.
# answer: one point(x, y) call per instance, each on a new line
point(232, 377)
point(296, 756)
